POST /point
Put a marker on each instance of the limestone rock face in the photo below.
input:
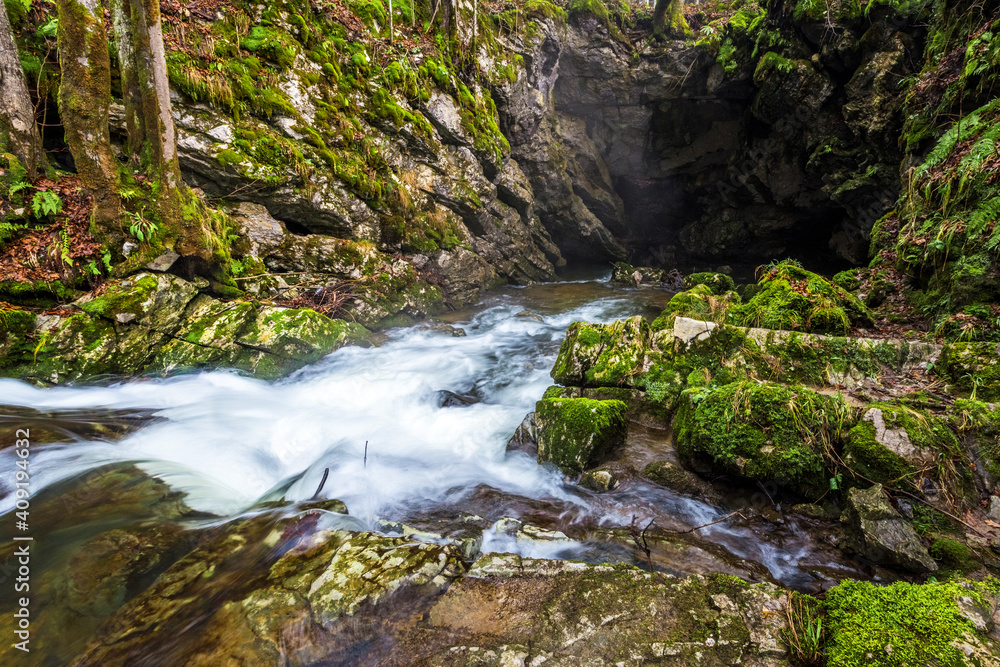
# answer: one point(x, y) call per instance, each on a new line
point(885, 536)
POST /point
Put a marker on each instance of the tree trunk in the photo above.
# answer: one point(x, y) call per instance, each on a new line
point(84, 101)
point(18, 131)
point(155, 120)
point(669, 21)
point(121, 15)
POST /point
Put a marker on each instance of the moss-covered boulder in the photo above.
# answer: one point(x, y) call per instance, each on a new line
point(577, 433)
point(892, 441)
point(719, 283)
point(882, 534)
point(699, 302)
point(943, 623)
point(972, 369)
point(160, 323)
point(761, 432)
point(795, 299)
point(595, 355)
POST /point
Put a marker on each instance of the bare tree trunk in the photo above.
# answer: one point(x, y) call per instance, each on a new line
point(84, 102)
point(18, 131)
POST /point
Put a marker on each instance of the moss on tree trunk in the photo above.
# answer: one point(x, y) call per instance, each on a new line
point(669, 21)
point(18, 132)
point(84, 102)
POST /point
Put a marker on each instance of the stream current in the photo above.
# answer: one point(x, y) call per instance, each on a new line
point(413, 433)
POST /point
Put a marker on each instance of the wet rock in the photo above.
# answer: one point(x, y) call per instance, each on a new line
point(595, 355)
point(106, 569)
point(159, 323)
point(495, 608)
point(674, 476)
point(638, 276)
point(525, 437)
point(577, 433)
point(451, 399)
point(368, 568)
point(600, 481)
point(883, 535)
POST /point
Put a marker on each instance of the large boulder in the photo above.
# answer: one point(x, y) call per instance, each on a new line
point(160, 323)
point(882, 534)
point(761, 432)
point(577, 433)
point(792, 298)
point(596, 355)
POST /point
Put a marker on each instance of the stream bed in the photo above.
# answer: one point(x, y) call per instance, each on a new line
point(413, 435)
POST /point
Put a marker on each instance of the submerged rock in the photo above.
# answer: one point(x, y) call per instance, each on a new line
point(577, 433)
point(884, 536)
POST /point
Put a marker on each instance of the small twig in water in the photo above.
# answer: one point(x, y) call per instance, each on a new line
point(640, 540)
point(704, 525)
point(322, 483)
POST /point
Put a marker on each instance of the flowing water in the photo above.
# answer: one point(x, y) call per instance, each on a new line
point(412, 432)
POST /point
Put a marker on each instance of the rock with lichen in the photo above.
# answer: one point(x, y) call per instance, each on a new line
point(882, 534)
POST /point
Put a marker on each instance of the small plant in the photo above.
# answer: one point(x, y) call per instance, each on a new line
point(141, 228)
point(805, 629)
point(46, 204)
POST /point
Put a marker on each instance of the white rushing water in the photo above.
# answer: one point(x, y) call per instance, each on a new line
point(227, 440)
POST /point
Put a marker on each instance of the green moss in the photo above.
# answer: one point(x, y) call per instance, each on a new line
point(576, 433)
point(795, 299)
point(719, 283)
point(869, 457)
point(955, 556)
point(898, 625)
point(119, 299)
point(698, 303)
point(762, 432)
point(596, 355)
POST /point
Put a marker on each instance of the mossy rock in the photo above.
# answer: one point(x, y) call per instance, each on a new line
point(972, 368)
point(910, 624)
point(719, 283)
point(578, 433)
point(798, 300)
point(595, 355)
point(881, 534)
point(892, 441)
point(636, 276)
point(955, 556)
point(697, 303)
point(761, 432)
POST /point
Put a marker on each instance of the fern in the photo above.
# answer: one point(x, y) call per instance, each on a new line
point(46, 203)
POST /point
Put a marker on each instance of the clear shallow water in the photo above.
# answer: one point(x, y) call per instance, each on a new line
point(228, 442)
